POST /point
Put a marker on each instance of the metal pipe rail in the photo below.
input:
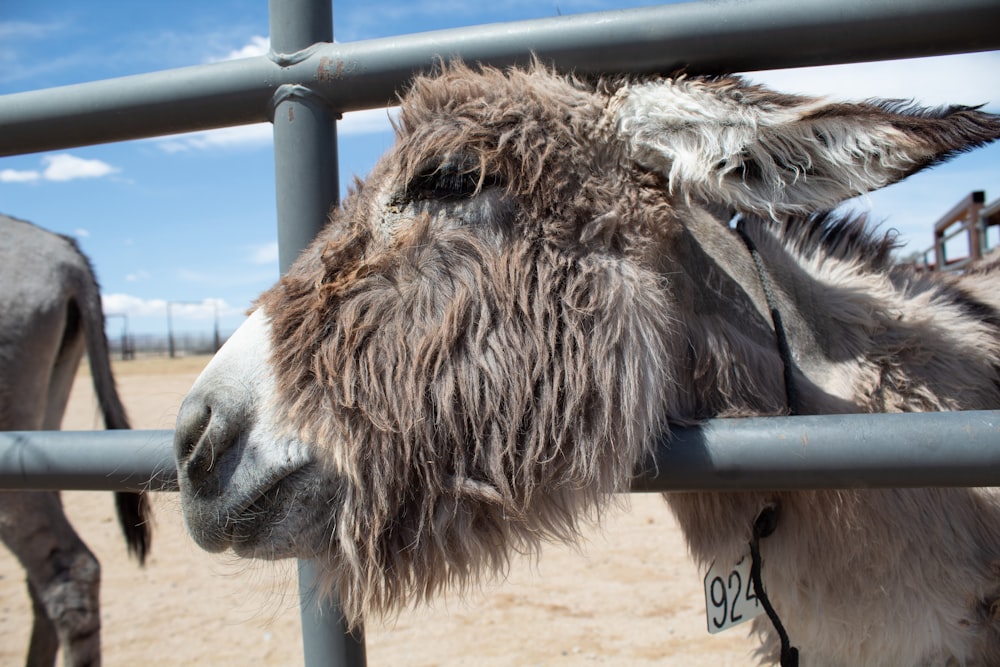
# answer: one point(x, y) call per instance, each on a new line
point(314, 78)
point(307, 187)
point(702, 37)
point(811, 452)
point(121, 460)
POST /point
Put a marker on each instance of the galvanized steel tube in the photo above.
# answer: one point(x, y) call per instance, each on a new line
point(701, 37)
point(88, 460)
point(307, 79)
point(761, 453)
point(305, 169)
point(729, 35)
point(236, 92)
point(306, 182)
point(325, 638)
point(829, 452)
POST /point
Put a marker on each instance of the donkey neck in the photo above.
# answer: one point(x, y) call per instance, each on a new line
point(725, 283)
point(723, 277)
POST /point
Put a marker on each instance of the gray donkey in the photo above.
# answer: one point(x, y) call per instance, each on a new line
point(50, 312)
point(537, 282)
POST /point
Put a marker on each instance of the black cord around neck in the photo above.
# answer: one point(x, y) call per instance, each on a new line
point(763, 526)
point(767, 520)
point(781, 337)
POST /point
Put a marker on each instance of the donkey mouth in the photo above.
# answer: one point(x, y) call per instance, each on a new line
point(242, 485)
point(260, 521)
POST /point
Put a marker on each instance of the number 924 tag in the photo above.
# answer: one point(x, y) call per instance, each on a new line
point(730, 597)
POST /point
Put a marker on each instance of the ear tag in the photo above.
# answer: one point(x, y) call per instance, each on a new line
point(730, 598)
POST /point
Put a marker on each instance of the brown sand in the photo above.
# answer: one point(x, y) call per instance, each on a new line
point(628, 595)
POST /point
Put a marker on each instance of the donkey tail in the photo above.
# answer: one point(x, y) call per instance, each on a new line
point(134, 512)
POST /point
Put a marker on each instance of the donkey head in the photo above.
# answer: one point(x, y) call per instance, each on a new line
point(492, 331)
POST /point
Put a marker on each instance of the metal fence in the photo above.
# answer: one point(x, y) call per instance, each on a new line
point(969, 219)
point(307, 81)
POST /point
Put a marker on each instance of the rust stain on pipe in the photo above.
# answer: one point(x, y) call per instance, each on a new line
point(329, 69)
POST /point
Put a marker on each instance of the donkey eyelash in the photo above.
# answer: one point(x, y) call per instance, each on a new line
point(450, 180)
point(443, 185)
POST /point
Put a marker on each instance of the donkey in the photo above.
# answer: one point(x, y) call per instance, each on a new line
point(50, 312)
point(537, 282)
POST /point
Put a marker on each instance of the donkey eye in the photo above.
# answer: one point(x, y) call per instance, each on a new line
point(443, 185)
point(448, 181)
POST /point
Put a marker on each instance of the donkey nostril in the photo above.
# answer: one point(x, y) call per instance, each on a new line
point(205, 432)
point(198, 432)
point(197, 439)
point(192, 422)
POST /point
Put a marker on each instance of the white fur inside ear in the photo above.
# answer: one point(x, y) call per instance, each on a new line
point(682, 128)
point(759, 152)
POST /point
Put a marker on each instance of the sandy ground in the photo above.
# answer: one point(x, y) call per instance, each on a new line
point(628, 595)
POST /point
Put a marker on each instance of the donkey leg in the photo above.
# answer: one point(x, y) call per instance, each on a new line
point(63, 575)
point(44, 640)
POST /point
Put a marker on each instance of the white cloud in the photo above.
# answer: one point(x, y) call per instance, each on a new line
point(82, 233)
point(242, 136)
point(266, 253)
point(171, 145)
point(137, 276)
point(66, 167)
point(257, 46)
point(368, 121)
point(205, 309)
point(17, 176)
point(258, 277)
point(27, 30)
point(135, 306)
point(61, 167)
point(260, 135)
point(359, 21)
point(969, 78)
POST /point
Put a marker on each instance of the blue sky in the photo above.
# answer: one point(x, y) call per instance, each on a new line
point(192, 217)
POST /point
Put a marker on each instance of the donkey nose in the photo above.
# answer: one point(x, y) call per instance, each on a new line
point(206, 429)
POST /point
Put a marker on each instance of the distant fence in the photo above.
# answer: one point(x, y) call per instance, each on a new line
point(970, 219)
point(176, 342)
point(307, 80)
point(185, 343)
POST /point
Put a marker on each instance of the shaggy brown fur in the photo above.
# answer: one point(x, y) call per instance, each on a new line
point(536, 282)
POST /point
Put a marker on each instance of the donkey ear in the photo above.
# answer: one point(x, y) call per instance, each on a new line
point(730, 143)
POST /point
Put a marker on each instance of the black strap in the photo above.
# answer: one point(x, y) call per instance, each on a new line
point(784, 351)
point(765, 524)
point(767, 520)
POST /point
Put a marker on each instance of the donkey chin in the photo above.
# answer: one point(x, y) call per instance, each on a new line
point(245, 483)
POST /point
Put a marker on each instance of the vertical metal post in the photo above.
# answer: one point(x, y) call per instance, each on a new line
point(305, 165)
point(973, 224)
point(216, 338)
point(170, 332)
point(305, 131)
point(325, 639)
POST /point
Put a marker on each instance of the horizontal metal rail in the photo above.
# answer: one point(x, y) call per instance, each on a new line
point(709, 37)
point(88, 460)
point(814, 452)
point(324, 78)
point(830, 452)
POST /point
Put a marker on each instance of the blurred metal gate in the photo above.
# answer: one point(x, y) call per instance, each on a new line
point(306, 81)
